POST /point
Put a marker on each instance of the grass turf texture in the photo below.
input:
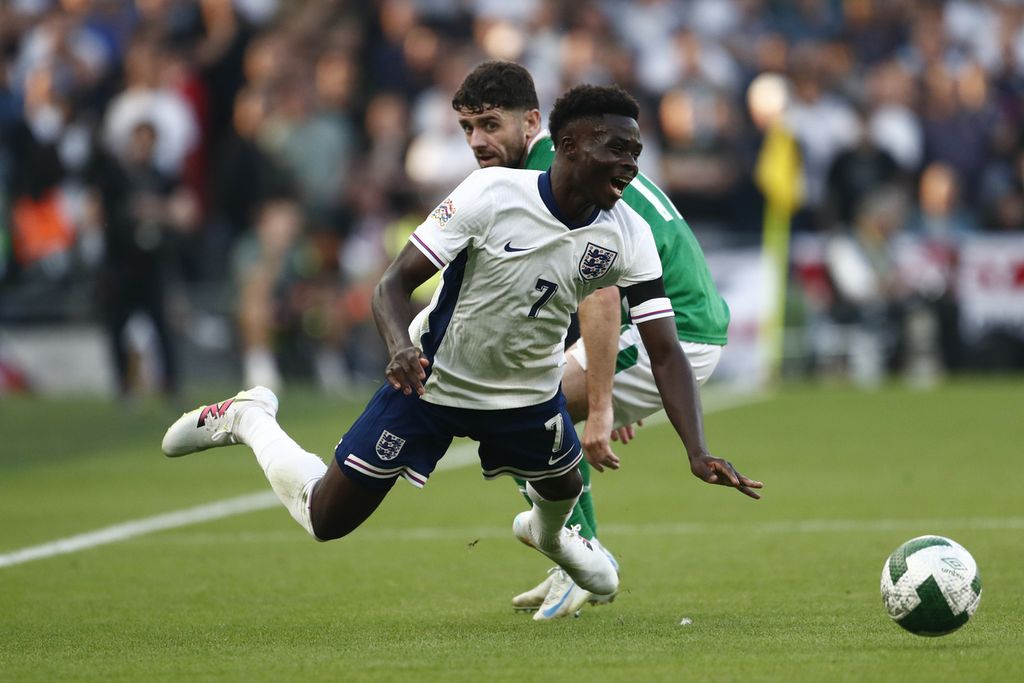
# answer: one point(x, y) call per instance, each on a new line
point(783, 589)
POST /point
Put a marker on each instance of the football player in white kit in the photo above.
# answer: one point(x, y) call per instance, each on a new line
point(607, 380)
point(519, 251)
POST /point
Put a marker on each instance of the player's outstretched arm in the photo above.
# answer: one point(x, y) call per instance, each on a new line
point(679, 395)
point(393, 312)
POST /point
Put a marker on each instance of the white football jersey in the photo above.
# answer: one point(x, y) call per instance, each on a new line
point(514, 272)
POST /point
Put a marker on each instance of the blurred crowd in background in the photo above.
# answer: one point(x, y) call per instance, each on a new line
point(233, 175)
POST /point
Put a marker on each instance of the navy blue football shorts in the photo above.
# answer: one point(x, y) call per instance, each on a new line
point(405, 436)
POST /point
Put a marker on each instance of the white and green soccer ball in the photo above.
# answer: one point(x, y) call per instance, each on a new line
point(931, 585)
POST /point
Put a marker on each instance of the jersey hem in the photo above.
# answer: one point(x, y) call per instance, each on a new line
point(701, 339)
point(476, 404)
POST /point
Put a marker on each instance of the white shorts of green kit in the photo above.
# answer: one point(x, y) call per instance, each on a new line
point(634, 393)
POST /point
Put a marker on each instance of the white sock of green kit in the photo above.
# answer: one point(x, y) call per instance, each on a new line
point(291, 471)
point(548, 517)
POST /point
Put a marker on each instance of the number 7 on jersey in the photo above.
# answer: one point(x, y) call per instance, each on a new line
point(548, 289)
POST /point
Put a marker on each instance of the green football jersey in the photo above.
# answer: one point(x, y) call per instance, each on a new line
point(702, 315)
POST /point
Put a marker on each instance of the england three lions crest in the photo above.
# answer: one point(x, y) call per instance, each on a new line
point(389, 445)
point(596, 261)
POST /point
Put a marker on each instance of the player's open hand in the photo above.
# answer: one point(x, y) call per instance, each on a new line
point(626, 433)
point(718, 471)
point(596, 442)
point(407, 370)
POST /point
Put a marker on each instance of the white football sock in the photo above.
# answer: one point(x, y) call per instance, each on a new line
point(291, 471)
point(548, 518)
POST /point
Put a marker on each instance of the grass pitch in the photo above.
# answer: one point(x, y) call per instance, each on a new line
point(785, 589)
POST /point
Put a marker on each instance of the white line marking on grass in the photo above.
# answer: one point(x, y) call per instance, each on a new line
point(461, 455)
point(139, 527)
point(657, 529)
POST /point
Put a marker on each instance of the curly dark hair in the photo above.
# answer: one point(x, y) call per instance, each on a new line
point(496, 83)
point(586, 101)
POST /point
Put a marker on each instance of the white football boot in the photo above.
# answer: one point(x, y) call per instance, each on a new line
point(588, 566)
point(594, 598)
point(531, 600)
point(564, 598)
point(214, 425)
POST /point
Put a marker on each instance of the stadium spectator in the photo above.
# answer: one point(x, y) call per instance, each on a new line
point(855, 173)
point(958, 122)
point(315, 138)
point(893, 123)
point(41, 232)
point(823, 123)
point(245, 176)
point(141, 209)
point(892, 293)
point(218, 56)
point(1005, 200)
point(386, 128)
point(701, 163)
point(254, 228)
point(264, 266)
point(939, 217)
point(869, 291)
point(71, 50)
point(146, 98)
point(938, 226)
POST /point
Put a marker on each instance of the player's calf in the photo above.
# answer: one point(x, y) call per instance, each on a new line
point(339, 504)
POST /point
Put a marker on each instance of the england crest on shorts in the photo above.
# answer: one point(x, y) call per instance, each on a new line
point(596, 261)
point(389, 445)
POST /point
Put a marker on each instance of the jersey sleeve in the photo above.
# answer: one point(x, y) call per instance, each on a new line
point(647, 301)
point(460, 220)
point(641, 281)
point(643, 262)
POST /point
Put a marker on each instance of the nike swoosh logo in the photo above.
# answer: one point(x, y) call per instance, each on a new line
point(509, 248)
point(552, 460)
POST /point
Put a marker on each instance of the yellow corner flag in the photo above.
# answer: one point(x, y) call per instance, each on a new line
point(779, 176)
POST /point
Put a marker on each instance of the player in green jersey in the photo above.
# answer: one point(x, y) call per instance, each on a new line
point(608, 379)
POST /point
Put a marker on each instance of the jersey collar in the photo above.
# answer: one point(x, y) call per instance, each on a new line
point(537, 145)
point(543, 134)
point(548, 195)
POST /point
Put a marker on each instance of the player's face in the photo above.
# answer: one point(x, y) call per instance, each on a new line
point(499, 137)
point(607, 159)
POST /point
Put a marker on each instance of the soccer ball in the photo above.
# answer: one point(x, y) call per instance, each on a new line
point(931, 585)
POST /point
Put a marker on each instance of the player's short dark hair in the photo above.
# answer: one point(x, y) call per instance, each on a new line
point(586, 101)
point(496, 83)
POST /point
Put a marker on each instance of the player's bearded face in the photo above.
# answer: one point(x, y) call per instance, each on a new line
point(498, 137)
point(607, 160)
